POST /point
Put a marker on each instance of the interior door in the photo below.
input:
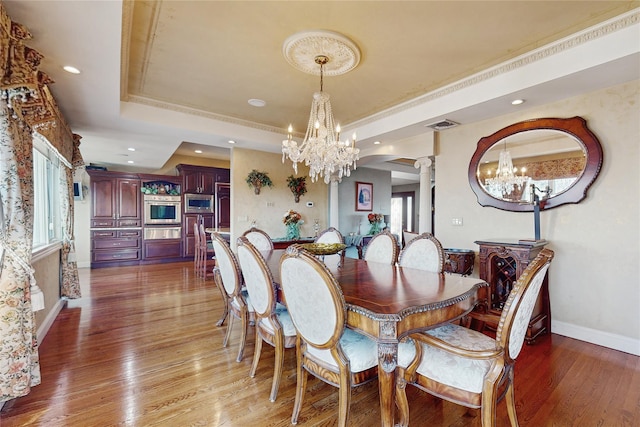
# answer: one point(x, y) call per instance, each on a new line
point(402, 212)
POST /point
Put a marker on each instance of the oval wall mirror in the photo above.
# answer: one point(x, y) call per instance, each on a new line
point(558, 159)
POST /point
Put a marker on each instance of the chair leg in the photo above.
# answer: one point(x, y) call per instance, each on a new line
point(256, 354)
point(218, 281)
point(243, 333)
point(228, 334)
point(344, 398)
point(301, 387)
point(401, 401)
point(511, 403)
point(279, 364)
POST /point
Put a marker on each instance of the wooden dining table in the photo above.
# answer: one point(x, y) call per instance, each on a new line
point(387, 303)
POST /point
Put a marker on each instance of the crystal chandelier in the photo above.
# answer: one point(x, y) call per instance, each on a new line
point(505, 180)
point(322, 149)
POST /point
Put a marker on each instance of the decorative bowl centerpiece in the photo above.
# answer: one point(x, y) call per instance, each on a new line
point(323, 248)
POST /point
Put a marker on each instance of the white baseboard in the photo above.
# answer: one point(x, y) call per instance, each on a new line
point(594, 336)
point(84, 264)
point(48, 321)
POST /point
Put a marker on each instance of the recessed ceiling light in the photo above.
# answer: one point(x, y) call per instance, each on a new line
point(376, 143)
point(131, 149)
point(517, 102)
point(198, 151)
point(257, 102)
point(70, 69)
point(129, 161)
point(231, 141)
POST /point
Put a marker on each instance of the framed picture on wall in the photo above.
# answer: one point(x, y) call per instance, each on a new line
point(364, 196)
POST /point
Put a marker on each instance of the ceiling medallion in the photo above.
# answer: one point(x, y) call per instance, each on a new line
point(301, 50)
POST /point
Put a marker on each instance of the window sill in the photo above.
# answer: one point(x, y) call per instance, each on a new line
point(41, 252)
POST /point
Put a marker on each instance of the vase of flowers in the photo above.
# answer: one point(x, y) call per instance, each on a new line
point(292, 220)
point(297, 185)
point(375, 219)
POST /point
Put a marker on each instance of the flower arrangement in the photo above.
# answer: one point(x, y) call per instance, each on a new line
point(375, 219)
point(292, 217)
point(298, 186)
point(257, 180)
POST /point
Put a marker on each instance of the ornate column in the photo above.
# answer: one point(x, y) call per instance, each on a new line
point(334, 205)
point(425, 166)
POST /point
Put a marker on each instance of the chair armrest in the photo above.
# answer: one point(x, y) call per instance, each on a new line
point(443, 345)
point(483, 317)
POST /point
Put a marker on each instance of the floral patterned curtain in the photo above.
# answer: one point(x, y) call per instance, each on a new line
point(20, 367)
point(70, 286)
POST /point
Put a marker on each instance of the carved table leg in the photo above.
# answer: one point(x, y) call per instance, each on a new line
point(387, 362)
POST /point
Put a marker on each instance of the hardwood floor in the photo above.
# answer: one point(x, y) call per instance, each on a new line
point(141, 349)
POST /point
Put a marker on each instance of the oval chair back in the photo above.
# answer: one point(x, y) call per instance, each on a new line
point(423, 252)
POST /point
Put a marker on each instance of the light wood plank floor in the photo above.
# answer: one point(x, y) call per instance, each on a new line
point(141, 349)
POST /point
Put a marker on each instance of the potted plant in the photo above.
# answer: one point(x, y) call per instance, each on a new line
point(257, 180)
point(297, 185)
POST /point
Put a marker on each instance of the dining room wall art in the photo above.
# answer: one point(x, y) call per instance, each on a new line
point(364, 196)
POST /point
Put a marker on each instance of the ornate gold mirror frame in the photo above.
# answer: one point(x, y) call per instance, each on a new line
point(575, 127)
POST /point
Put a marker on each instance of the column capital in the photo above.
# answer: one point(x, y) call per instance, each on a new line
point(422, 162)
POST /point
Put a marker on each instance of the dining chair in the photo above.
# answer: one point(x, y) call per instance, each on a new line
point(407, 236)
point(196, 249)
point(207, 254)
point(469, 368)
point(325, 348)
point(383, 247)
point(228, 278)
point(272, 321)
point(329, 235)
point(423, 252)
point(259, 238)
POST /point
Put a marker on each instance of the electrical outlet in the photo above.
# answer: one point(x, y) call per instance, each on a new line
point(456, 221)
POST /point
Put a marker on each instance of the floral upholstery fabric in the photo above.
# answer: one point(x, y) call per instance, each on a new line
point(284, 318)
point(380, 249)
point(226, 266)
point(457, 371)
point(19, 361)
point(70, 283)
point(254, 280)
point(330, 237)
point(521, 320)
point(422, 254)
point(259, 240)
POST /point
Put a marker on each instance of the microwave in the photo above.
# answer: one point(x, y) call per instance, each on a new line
point(161, 209)
point(198, 203)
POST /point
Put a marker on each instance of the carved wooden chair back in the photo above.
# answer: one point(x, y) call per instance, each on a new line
point(228, 278)
point(273, 323)
point(423, 252)
point(329, 235)
point(407, 236)
point(259, 238)
point(472, 369)
point(325, 348)
point(383, 247)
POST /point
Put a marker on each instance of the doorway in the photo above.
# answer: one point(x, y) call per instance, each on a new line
point(403, 212)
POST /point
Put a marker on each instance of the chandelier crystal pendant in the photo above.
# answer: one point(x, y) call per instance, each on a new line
point(321, 150)
point(505, 180)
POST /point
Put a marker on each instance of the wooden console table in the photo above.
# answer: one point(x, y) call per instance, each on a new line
point(501, 262)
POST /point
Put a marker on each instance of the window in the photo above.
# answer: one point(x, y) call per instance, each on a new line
point(47, 224)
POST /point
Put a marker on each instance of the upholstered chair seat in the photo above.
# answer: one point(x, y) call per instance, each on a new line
point(228, 278)
point(325, 348)
point(471, 369)
point(273, 324)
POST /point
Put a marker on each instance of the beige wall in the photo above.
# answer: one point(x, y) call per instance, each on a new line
point(594, 285)
point(47, 273)
point(268, 207)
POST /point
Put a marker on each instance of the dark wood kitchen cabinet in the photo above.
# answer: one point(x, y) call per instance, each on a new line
point(116, 219)
point(501, 264)
point(115, 200)
point(188, 233)
point(223, 205)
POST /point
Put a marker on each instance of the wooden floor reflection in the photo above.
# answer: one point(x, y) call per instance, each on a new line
point(141, 349)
